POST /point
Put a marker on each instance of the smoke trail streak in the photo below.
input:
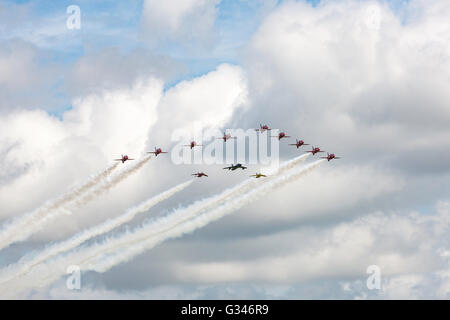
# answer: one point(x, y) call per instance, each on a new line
point(107, 184)
point(289, 164)
point(239, 189)
point(57, 268)
point(33, 222)
point(197, 207)
point(151, 234)
point(12, 231)
point(29, 261)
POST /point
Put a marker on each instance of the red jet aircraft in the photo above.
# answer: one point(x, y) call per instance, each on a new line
point(192, 145)
point(157, 151)
point(123, 159)
point(299, 143)
point(281, 135)
point(263, 128)
point(226, 137)
point(315, 150)
point(330, 156)
point(199, 174)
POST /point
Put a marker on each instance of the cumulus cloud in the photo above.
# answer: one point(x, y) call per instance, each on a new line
point(399, 244)
point(353, 77)
point(25, 83)
point(110, 69)
point(96, 130)
point(307, 262)
point(208, 101)
point(100, 127)
point(187, 21)
point(353, 86)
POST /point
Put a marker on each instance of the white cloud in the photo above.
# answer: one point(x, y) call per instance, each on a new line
point(330, 192)
point(56, 153)
point(110, 69)
point(208, 101)
point(353, 87)
point(41, 150)
point(402, 245)
point(185, 21)
point(307, 262)
point(24, 82)
point(350, 76)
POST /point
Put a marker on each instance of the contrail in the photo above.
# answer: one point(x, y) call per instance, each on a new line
point(107, 184)
point(102, 256)
point(26, 225)
point(202, 205)
point(151, 234)
point(13, 230)
point(57, 268)
point(27, 262)
point(239, 189)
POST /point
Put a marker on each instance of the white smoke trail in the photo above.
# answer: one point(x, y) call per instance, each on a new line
point(33, 222)
point(241, 188)
point(31, 260)
point(151, 234)
point(288, 164)
point(57, 268)
point(107, 184)
point(13, 230)
point(200, 206)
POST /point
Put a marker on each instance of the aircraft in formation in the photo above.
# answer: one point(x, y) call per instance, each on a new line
point(157, 151)
point(199, 174)
point(235, 166)
point(298, 143)
point(226, 137)
point(263, 128)
point(192, 145)
point(123, 159)
point(258, 175)
point(330, 156)
point(281, 135)
point(315, 150)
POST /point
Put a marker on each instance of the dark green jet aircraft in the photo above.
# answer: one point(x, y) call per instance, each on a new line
point(236, 166)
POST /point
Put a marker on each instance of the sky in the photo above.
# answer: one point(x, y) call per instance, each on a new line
point(365, 79)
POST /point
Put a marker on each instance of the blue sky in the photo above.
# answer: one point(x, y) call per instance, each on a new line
point(117, 24)
point(106, 24)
